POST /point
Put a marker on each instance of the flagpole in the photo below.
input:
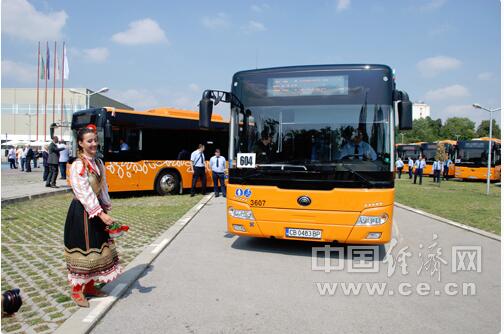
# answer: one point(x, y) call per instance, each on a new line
point(62, 83)
point(38, 80)
point(54, 86)
point(45, 102)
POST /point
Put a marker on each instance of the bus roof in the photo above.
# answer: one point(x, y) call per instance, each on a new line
point(319, 67)
point(488, 139)
point(168, 112)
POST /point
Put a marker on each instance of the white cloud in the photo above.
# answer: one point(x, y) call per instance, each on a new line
point(140, 99)
point(432, 5)
point(96, 55)
point(260, 8)
point(485, 76)
point(21, 20)
point(19, 72)
point(463, 110)
point(430, 67)
point(145, 31)
point(194, 87)
point(254, 26)
point(342, 5)
point(454, 91)
point(220, 21)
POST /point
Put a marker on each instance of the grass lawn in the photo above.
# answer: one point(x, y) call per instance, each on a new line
point(463, 202)
point(32, 250)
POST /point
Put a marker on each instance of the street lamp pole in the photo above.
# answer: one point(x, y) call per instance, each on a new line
point(477, 106)
point(88, 95)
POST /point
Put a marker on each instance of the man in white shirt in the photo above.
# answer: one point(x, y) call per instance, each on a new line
point(198, 163)
point(12, 157)
point(411, 164)
point(23, 158)
point(436, 168)
point(419, 165)
point(356, 148)
point(218, 165)
point(399, 165)
point(63, 159)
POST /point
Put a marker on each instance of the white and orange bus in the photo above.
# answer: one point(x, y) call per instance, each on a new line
point(160, 143)
point(429, 153)
point(472, 159)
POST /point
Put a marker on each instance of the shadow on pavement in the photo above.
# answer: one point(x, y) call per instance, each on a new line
point(295, 247)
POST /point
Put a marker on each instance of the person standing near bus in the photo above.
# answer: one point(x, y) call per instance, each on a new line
point(419, 166)
point(63, 159)
point(218, 165)
point(411, 164)
point(400, 165)
point(53, 162)
point(45, 157)
point(90, 254)
point(12, 157)
point(436, 168)
point(198, 162)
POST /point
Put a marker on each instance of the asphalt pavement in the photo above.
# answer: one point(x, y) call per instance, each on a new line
point(208, 281)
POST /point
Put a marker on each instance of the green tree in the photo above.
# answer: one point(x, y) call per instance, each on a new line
point(424, 129)
point(462, 127)
point(440, 152)
point(484, 130)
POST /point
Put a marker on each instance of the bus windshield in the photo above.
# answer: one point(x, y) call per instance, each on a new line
point(317, 134)
point(476, 153)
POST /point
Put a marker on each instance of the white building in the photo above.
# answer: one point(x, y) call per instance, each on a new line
point(420, 110)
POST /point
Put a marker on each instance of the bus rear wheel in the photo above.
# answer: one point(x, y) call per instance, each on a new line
point(167, 183)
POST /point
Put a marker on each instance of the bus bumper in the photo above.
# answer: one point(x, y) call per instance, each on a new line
point(335, 226)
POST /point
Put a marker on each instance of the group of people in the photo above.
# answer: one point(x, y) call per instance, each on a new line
point(415, 168)
point(54, 157)
point(23, 157)
point(217, 164)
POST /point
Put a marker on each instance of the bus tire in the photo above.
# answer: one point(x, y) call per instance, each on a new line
point(167, 183)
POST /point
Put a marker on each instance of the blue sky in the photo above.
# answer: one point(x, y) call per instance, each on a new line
point(164, 53)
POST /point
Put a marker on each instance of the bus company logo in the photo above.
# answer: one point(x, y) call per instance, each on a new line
point(304, 200)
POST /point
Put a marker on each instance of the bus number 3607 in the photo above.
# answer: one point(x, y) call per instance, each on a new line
point(257, 202)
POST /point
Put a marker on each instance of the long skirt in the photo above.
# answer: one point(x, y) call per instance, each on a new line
point(89, 252)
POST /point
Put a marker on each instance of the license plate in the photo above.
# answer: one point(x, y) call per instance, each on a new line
point(303, 233)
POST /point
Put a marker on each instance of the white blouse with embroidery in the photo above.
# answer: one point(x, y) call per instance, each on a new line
point(83, 191)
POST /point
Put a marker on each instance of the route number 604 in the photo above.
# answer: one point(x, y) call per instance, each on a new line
point(246, 160)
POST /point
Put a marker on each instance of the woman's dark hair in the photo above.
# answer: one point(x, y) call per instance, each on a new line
point(80, 137)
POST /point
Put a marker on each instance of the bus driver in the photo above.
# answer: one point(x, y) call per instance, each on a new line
point(357, 148)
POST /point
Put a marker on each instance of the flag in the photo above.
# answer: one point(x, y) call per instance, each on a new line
point(57, 73)
point(42, 68)
point(48, 63)
point(66, 69)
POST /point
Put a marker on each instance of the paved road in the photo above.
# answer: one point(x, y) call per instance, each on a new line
point(19, 184)
point(207, 281)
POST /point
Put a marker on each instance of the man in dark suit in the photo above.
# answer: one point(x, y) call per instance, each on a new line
point(29, 156)
point(53, 162)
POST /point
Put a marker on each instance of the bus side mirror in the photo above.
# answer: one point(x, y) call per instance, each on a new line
point(405, 111)
point(205, 113)
point(51, 130)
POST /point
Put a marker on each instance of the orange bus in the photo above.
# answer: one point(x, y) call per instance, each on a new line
point(429, 153)
point(159, 142)
point(472, 159)
point(311, 152)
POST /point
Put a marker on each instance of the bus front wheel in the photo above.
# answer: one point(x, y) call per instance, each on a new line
point(167, 183)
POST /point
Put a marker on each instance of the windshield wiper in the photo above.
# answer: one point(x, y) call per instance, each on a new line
point(369, 183)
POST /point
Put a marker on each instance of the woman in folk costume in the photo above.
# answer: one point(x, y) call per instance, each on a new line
point(90, 254)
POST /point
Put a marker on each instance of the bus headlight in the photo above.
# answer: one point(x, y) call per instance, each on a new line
point(372, 220)
point(241, 214)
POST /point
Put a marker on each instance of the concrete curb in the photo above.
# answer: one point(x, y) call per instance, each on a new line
point(84, 319)
point(30, 197)
point(447, 221)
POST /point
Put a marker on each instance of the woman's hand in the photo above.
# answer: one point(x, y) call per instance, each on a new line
point(106, 218)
